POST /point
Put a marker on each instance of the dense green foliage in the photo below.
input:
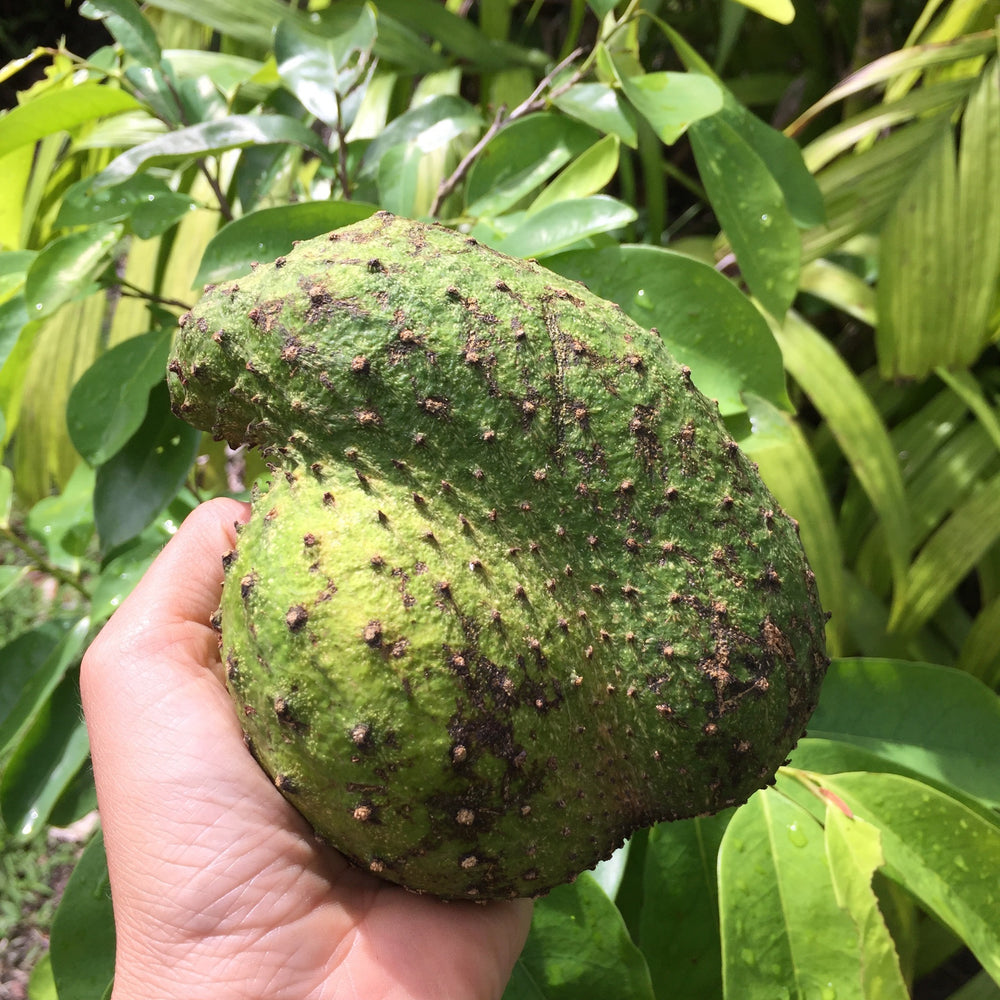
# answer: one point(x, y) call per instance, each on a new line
point(807, 209)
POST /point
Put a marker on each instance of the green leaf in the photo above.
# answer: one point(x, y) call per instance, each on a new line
point(207, 139)
point(599, 106)
point(82, 948)
point(936, 721)
point(854, 852)
point(323, 59)
point(783, 934)
point(579, 949)
point(561, 225)
point(671, 102)
point(61, 111)
point(939, 850)
point(6, 497)
point(34, 664)
point(120, 575)
point(520, 158)
point(268, 233)
point(585, 176)
point(108, 403)
point(125, 21)
point(430, 125)
point(66, 268)
point(602, 7)
point(147, 201)
point(144, 475)
point(48, 756)
point(751, 208)
point(64, 523)
point(679, 924)
point(857, 427)
point(704, 320)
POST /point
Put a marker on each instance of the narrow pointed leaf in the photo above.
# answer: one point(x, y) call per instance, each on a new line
point(937, 849)
point(585, 176)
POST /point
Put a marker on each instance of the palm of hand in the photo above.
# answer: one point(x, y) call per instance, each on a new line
point(219, 887)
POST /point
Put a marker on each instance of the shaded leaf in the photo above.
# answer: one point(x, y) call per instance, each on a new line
point(67, 267)
point(48, 756)
point(82, 947)
point(208, 138)
point(108, 403)
point(751, 209)
point(936, 721)
point(125, 21)
point(150, 204)
point(679, 926)
point(64, 523)
point(579, 949)
point(144, 475)
point(585, 176)
point(939, 850)
point(61, 111)
point(703, 319)
point(775, 892)
point(270, 232)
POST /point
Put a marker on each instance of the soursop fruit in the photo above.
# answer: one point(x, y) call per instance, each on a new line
point(511, 591)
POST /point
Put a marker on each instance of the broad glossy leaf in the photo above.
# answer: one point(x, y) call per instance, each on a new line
point(207, 139)
point(61, 111)
point(430, 125)
point(399, 178)
point(64, 522)
point(679, 924)
point(783, 933)
point(585, 176)
point(120, 575)
point(936, 721)
point(48, 756)
point(67, 267)
point(14, 265)
point(255, 23)
point(520, 158)
point(561, 225)
point(579, 949)
point(144, 475)
point(13, 322)
point(125, 21)
point(34, 664)
point(782, 11)
point(671, 102)
point(322, 59)
point(857, 427)
point(751, 208)
point(268, 233)
point(150, 205)
point(939, 850)
point(703, 319)
point(108, 403)
point(82, 948)
point(854, 851)
point(599, 106)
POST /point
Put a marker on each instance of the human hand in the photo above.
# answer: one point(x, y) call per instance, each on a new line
point(219, 888)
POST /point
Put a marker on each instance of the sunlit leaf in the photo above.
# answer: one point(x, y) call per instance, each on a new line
point(939, 850)
point(935, 721)
point(208, 138)
point(671, 102)
point(561, 225)
point(151, 205)
point(268, 233)
point(782, 11)
point(125, 21)
point(60, 111)
point(599, 106)
point(704, 320)
point(775, 892)
point(585, 176)
point(67, 267)
point(854, 852)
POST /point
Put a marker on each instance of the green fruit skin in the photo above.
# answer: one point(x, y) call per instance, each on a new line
point(511, 591)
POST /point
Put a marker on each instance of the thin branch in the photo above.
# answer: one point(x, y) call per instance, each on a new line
point(224, 207)
point(534, 102)
point(42, 565)
point(138, 293)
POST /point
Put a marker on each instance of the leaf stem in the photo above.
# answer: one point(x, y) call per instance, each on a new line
point(138, 293)
point(42, 565)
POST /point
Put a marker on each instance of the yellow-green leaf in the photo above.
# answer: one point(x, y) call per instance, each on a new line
point(782, 11)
